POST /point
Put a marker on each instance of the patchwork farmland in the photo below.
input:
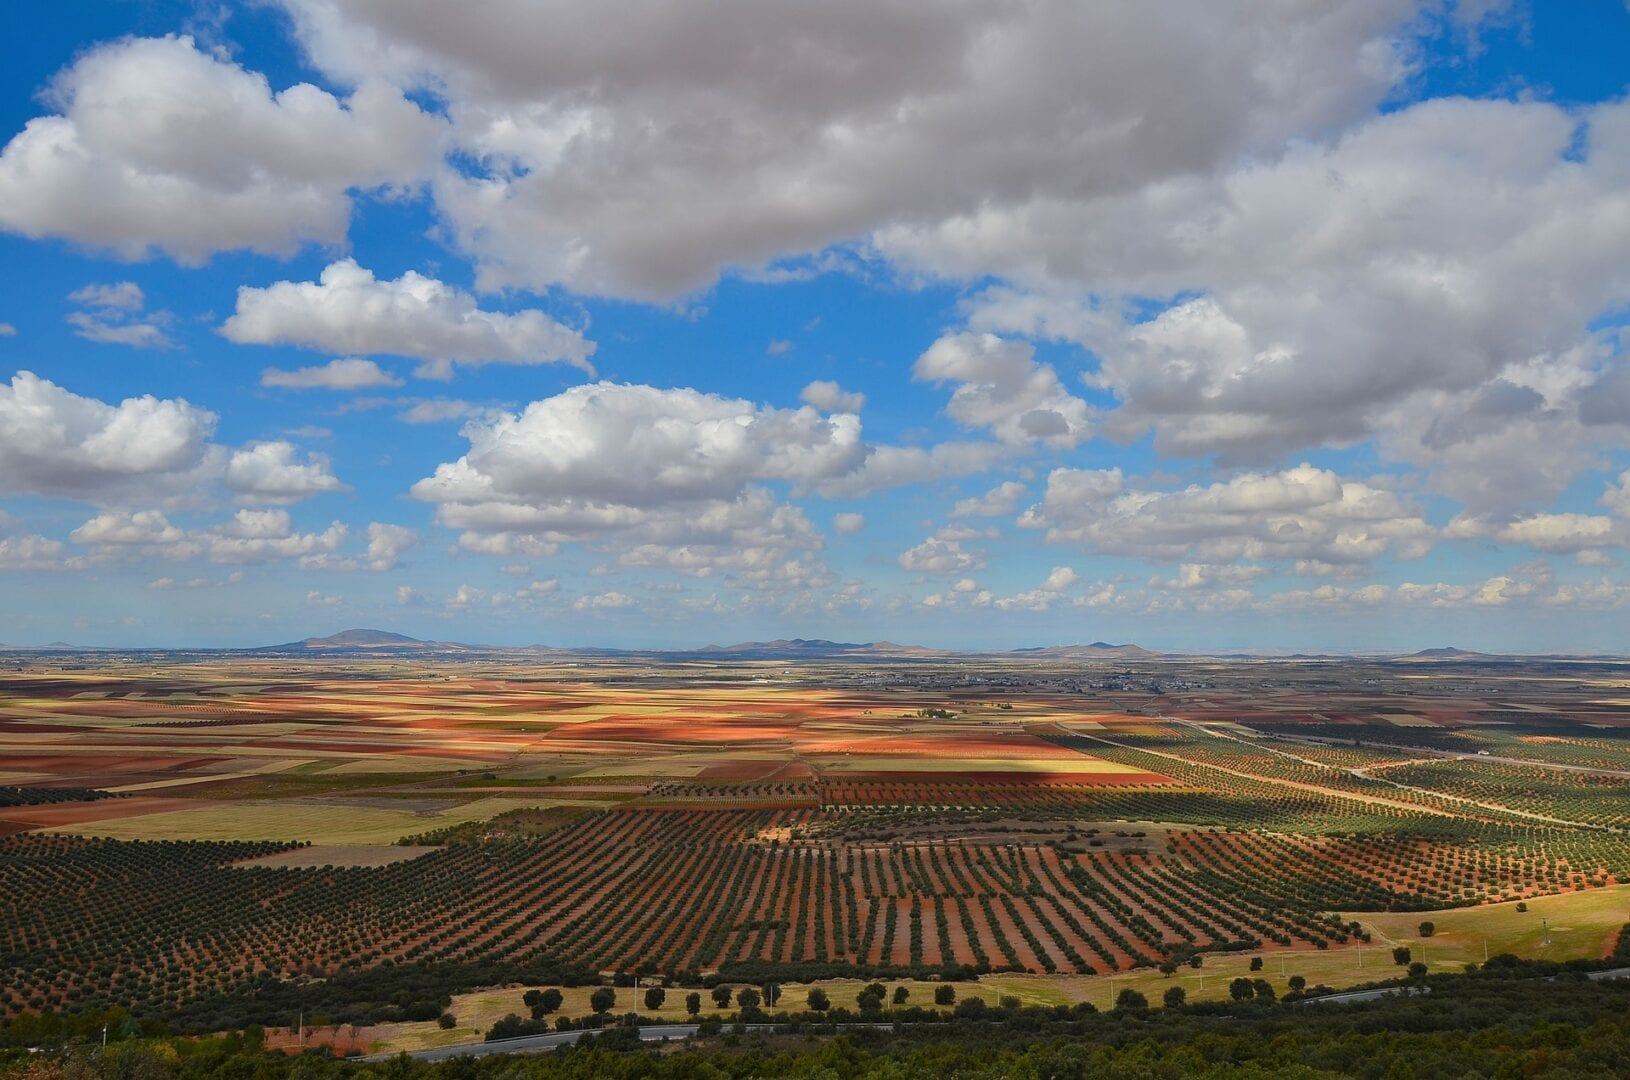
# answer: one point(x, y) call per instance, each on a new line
point(184, 841)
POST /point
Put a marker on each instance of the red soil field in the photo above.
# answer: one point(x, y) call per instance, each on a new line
point(1032, 779)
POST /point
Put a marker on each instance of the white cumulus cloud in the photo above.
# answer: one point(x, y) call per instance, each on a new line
point(348, 310)
point(348, 373)
point(159, 146)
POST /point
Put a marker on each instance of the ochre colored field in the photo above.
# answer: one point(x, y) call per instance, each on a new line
point(316, 822)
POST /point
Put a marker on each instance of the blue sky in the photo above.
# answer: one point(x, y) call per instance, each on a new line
point(985, 325)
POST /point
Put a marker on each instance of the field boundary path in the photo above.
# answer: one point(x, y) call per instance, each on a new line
point(1363, 772)
point(1438, 755)
point(1298, 785)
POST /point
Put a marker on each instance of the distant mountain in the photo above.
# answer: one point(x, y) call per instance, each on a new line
point(362, 639)
point(1098, 650)
point(351, 639)
point(794, 648)
point(1449, 653)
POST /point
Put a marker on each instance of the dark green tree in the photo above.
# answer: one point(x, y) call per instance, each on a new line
point(1130, 999)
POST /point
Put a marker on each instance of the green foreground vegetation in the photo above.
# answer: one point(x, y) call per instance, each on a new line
point(1509, 1020)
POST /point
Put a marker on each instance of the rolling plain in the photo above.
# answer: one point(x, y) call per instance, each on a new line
point(193, 835)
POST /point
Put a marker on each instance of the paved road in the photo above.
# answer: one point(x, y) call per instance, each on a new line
point(1611, 973)
point(532, 1043)
point(1353, 996)
point(650, 1033)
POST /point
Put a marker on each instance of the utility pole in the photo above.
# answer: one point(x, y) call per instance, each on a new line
point(104, 1036)
point(1545, 924)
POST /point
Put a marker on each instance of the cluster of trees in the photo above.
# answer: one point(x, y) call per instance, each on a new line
point(11, 795)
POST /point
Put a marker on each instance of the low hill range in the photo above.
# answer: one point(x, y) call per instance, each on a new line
point(364, 640)
point(1098, 650)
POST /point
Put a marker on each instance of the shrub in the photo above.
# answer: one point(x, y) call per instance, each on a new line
point(1175, 997)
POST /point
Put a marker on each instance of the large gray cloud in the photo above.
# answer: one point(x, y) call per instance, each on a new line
point(640, 152)
point(1428, 278)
